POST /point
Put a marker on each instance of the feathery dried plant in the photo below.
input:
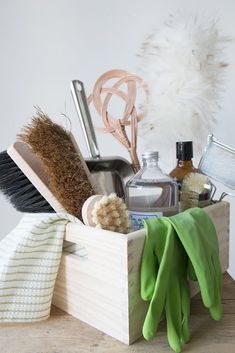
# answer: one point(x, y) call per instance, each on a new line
point(183, 67)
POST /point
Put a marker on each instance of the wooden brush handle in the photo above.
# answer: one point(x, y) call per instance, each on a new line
point(33, 169)
point(87, 208)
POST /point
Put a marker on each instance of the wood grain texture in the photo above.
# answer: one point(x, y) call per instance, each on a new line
point(33, 169)
point(95, 288)
point(63, 333)
point(103, 288)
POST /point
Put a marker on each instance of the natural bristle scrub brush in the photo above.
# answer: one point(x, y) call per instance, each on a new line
point(69, 177)
point(18, 189)
point(196, 191)
point(106, 212)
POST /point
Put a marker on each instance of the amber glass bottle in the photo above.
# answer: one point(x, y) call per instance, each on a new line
point(184, 155)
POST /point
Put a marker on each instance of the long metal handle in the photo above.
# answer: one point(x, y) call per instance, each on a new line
point(80, 101)
point(224, 194)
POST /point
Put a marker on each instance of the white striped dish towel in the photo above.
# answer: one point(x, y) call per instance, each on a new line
point(29, 261)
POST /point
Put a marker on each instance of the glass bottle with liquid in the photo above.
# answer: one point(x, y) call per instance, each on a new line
point(151, 193)
point(184, 155)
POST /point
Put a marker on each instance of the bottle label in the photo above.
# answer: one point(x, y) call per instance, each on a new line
point(138, 217)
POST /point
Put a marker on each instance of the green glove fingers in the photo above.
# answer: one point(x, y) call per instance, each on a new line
point(153, 316)
point(172, 264)
point(149, 269)
point(174, 316)
point(198, 236)
point(185, 297)
point(188, 233)
point(163, 249)
point(216, 310)
point(177, 314)
point(150, 261)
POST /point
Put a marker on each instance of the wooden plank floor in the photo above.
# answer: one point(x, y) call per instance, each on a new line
point(64, 334)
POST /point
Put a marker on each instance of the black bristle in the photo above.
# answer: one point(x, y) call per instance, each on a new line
point(18, 189)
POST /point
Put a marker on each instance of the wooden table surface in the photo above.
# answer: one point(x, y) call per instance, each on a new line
point(65, 334)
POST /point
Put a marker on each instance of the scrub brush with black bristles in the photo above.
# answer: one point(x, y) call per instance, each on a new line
point(18, 189)
point(68, 176)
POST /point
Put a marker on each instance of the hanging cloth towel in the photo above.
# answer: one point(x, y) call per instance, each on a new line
point(29, 261)
point(176, 247)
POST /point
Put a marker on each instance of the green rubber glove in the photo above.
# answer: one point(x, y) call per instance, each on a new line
point(164, 283)
point(175, 246)
point(198, 236)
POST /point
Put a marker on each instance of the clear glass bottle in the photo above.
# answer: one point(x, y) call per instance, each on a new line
point(150, 193)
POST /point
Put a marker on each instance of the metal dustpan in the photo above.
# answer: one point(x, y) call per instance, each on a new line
point(218, 162)
point(109, 174)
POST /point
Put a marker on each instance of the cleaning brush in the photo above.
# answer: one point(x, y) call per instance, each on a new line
point(106, 212)
point(33, 169)
point(69, 177)
point(18, 189)
point(196, 191)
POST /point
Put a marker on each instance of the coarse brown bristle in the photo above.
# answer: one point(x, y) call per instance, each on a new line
point(68, 177)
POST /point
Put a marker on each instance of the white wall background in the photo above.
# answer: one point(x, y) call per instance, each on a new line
point(45, 44)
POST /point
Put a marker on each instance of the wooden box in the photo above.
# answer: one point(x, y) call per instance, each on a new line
point(102, 288)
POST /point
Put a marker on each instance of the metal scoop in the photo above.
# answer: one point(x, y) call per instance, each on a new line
point(218, 162)
point(109, 173)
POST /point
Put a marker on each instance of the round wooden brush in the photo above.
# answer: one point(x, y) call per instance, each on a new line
point(106, 212)
point(69, 177)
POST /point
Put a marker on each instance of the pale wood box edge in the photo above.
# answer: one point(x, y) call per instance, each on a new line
point(102, 287)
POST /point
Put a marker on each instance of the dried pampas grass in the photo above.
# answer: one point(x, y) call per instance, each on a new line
point(183, 68)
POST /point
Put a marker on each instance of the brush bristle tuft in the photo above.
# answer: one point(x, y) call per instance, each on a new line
point(53, 145)
point(18, 189)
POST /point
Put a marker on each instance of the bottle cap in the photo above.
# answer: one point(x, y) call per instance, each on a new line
point(150, 154)
point(184, 150)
